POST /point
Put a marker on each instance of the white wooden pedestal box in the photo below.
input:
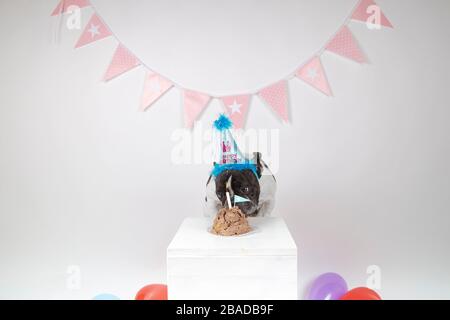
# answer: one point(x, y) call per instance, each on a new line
point(259, 265)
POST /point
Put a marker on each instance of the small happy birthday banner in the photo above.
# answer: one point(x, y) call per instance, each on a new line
point(274, 95)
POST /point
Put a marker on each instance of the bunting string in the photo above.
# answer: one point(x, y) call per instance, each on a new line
point(274, 95)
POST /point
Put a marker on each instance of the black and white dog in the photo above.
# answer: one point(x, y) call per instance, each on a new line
point(259, 189)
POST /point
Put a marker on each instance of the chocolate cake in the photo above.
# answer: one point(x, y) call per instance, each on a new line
point(230, 222)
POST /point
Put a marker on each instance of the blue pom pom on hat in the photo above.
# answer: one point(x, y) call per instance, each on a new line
point(223, 123)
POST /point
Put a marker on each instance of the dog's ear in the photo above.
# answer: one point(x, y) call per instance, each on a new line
point(257, 158)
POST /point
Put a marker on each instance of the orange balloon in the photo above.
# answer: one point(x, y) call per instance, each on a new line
point(152, 292)
point(361, 293)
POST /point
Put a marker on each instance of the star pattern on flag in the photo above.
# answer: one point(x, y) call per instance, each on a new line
point(343, 43)
point(94, 30)
point(235, 107)
point(312, 73)
point(154, 85)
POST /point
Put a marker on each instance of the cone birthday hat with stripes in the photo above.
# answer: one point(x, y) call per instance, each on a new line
point(226, 153)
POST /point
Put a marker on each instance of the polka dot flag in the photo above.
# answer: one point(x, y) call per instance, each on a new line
point(121, 62)
point(236, 106)
point(193, 103)
point(345, 45)
point(276, 97)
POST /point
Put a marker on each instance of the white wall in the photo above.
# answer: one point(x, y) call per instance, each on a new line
point(87, 180)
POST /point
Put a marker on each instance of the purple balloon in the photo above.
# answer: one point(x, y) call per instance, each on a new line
point(328, 286)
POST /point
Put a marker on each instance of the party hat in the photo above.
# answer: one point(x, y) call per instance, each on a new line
point(227, 155)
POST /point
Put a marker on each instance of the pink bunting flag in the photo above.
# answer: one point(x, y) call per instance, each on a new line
point(154, 87)
point(194, 103)
point(367, 11)
point(314, 74)
point(64, 5)
point(276, 97)
point(94, 30)
point(237, 107)
point(122, 61)
point(344, 44)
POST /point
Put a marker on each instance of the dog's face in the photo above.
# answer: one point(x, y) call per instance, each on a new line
point(243, 183)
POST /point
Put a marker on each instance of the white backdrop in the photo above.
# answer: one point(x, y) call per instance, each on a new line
point(87, 181)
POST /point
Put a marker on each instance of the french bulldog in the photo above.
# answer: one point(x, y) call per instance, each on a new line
point(259, 189)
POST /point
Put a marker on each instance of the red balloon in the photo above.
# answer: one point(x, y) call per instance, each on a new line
point(152, 292)
point(361, 293)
